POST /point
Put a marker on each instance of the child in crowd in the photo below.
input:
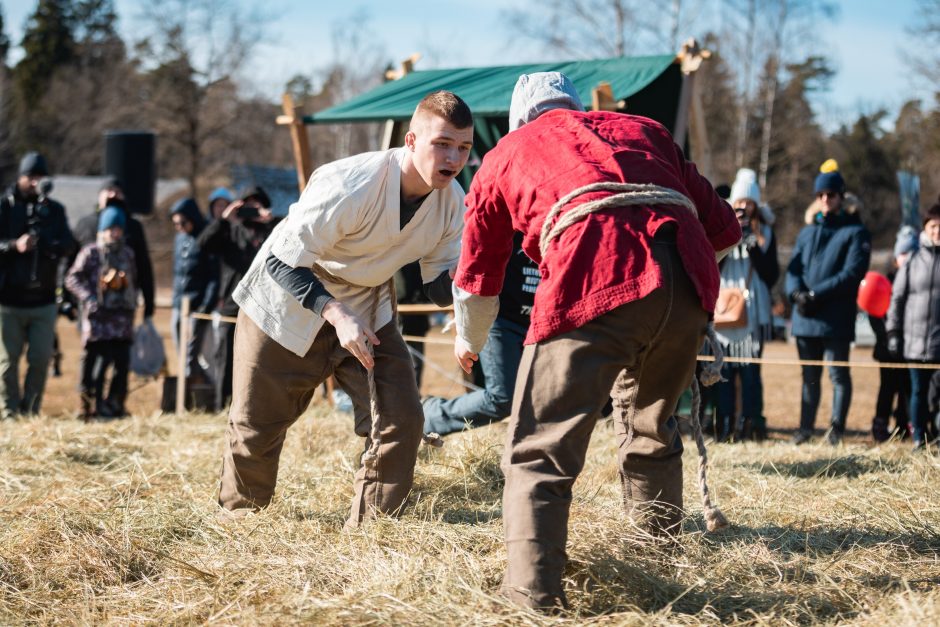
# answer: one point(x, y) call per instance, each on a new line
point(104, 280)
point(894, 390)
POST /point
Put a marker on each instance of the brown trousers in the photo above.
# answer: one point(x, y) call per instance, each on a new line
point(647, 348)
point(271, 389)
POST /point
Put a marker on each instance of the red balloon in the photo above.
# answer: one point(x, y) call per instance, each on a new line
point(874, 294)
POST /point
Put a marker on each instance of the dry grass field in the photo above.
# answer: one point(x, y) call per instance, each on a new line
point(115, 523)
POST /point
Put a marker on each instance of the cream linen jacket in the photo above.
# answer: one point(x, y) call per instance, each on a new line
point(347, 220)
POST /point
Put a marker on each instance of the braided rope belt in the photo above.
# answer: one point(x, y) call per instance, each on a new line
point(375, 432)
point(633, 194)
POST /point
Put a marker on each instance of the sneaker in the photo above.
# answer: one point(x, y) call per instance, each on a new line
point(834, 437)
point(801, 437)
point(919, 445)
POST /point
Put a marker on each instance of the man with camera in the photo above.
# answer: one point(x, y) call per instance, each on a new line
point(34, 236)
point(234, 238)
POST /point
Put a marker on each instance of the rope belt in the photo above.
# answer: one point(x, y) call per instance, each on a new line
point(632, 194)
point(375, 433)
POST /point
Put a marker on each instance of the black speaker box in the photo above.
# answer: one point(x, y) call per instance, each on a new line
point(131, 156)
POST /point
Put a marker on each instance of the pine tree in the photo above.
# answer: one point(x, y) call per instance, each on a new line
point(48, 44)
point(4, 42)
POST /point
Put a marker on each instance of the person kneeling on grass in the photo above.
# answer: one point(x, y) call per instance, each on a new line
point(317, 301)
point(499, 358)
point(103, 278)
point(625, 297)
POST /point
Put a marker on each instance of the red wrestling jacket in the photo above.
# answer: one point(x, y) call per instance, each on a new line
point(604, 260)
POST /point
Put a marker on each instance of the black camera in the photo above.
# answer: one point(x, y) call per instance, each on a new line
point(247, 212)
point(254, 198)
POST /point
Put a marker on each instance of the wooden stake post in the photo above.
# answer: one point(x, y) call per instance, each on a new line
point(183, 352)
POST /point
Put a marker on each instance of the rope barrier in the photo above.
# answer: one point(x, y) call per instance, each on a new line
point(822, 362)
point(443, 372)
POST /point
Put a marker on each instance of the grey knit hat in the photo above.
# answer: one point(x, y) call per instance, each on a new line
point(536, 93)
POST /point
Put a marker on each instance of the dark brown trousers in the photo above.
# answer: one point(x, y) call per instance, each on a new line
point(271, 389)
point(645, 350)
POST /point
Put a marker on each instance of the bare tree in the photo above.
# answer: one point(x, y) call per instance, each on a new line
point(358, 63)
point(924, 56)
point(193, 57)
point(578, 28)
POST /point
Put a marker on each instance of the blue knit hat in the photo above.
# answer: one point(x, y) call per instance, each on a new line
point(111, 217)
point(220, 192)
point(829, 179)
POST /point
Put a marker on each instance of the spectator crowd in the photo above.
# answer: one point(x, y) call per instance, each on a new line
point(101, 273)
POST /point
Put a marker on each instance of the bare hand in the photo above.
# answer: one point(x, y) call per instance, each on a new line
point(25, 242)
point(464, 356)
point(352, 333)
point(264, 215)
point(231, 212)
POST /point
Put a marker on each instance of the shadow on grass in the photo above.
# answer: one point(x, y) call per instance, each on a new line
point(849, 466)
point(791, 541)
point(608, 584)
point(605, 581)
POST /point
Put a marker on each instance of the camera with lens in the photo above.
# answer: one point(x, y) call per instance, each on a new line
point(248, 211)
point(254, 198)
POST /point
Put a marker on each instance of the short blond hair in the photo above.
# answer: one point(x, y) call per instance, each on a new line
point(446, 105)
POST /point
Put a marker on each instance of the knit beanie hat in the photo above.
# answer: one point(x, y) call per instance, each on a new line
point(829, 178)
point(906, 241)
point(745, 186)
point(111, 182)
point(536, 93)
point(110, 217)
point(33, 164)
point(220, 192)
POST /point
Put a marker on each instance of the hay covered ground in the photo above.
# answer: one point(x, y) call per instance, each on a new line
point(116, 523)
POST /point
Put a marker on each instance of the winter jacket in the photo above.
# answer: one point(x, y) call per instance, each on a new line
point(86, 231)
point(915, 304)
point(30, 279)
point(107, 314)
point(830, 259)
point(235, 246)
point(195, 271)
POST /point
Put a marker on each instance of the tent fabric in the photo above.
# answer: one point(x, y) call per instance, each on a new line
point(488, 90)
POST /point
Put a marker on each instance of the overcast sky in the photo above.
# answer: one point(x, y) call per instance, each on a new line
point(864, 42)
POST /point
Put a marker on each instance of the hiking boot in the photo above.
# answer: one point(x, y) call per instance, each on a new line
point(88, 407)
point(834, 437)
point(801, 437)
point(742, 429)
point(879, 429)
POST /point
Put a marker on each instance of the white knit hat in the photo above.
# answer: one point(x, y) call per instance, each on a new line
point(745, 186)
point(536, 93)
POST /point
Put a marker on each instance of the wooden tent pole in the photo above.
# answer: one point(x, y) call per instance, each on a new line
point(294, 118)
point(690, 59)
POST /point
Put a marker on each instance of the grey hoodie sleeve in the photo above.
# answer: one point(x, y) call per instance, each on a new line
point(474, 316)
point(300, 283)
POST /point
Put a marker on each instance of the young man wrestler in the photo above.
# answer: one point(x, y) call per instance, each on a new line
point(307, 301)
point(625, 298)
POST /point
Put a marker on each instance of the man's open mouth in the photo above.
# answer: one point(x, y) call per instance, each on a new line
point(446, 172)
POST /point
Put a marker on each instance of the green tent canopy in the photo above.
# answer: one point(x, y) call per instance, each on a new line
point(648, 86)
point(488, 89)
